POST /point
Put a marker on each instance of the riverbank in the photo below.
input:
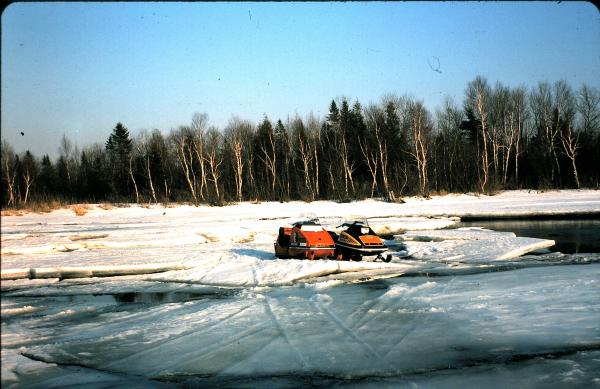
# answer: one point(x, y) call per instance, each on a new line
point(584, 203)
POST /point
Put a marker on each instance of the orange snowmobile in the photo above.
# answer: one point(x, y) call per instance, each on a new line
point(358, 240)
point(305, 239)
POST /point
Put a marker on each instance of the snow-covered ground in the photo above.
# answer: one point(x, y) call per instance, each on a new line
point(194, 295)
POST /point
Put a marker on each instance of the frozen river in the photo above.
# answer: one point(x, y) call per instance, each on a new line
point(453, 309)
point(529, 327)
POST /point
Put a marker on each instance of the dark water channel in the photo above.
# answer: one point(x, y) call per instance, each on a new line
point(571, 236)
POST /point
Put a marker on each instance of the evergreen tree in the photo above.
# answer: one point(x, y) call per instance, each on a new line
point(329, 164)
point(344, 118)
point(334, 113)
point(98, 177)
point(63, 182)
point(47, 178)
point(357, 130)
point(391, 131)
point(159, 161)
point(84, 191)
point(118, 149)
point(471, 127)
point(283, 159)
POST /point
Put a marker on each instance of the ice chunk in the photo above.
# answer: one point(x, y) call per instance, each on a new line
point(90, 271)
point(242, 270)
point(468, 245)
point(396, 225)
point(15, 274)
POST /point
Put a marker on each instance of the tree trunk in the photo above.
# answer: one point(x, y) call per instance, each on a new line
point(238, 168)
point(137, 196)
point(186, 171)
point(199, 152)
point(371, 164)
point(152, 192)
point(10, 179)
point(484, 156)
point(28, 181)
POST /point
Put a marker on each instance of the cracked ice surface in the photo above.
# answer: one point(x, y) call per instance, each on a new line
point(218, 308)
point(400, 327)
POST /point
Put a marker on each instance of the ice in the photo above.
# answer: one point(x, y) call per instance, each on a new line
point(89, 271)
point(239, 270)
point(468, 245)
point(394, 225)
point(195, 296)
point(394, 328)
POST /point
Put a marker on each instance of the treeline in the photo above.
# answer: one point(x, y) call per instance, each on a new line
point(543, 137)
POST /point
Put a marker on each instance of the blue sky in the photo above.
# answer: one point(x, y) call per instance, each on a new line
point(79, 68)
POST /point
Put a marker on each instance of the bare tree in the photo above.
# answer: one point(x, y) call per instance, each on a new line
point(564, 122)
point(213, 158)
point(181, 139)
point(237, 133)
point(500, 130)
point(66, 150)
point(143, 148)
point(268, 157)
point(519, 118)
point(588, 105)
point(252, 182)
point(313, 126)
point(570, 142)
point(8, 170)
point(198, 128)
point(29, 174)
point(304, 153)
point(372, 161)
point(348, 165)
point(137, 193)
point(544, 111)
point(448, 120)
point(420, 126)
point(373, 150)
point(478, 94)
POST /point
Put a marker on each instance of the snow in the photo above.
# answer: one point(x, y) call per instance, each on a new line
point(194, 295)
point(180, 235)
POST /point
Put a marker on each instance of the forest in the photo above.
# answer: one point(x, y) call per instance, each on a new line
point(541, 137)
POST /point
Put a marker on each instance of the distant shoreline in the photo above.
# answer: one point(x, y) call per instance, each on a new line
point(504, 205)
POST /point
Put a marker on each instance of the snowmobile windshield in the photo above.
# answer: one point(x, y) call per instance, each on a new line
point(311, 227)
point(354, 224)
